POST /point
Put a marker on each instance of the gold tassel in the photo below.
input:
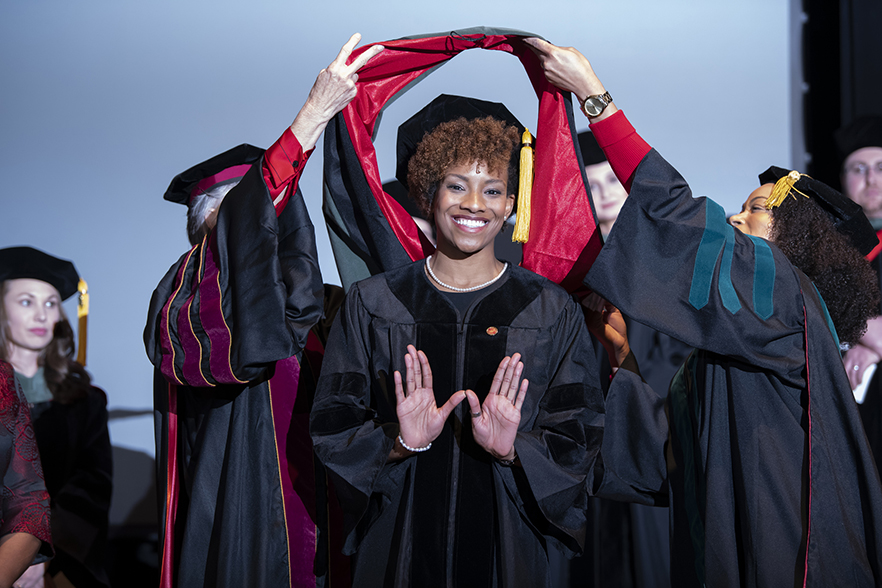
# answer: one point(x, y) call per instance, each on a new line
point(82, 327)
point(525, 186)
point(782, 188)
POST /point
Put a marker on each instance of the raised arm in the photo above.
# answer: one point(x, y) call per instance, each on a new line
point(673, 262)
point(333, 89)
point(569, 70)
point(205, 325)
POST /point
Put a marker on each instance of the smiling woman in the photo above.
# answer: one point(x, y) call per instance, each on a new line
point(463, 495)
point(471, 206)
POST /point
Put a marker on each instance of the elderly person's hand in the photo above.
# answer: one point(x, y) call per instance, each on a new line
point(333, 89)
point(495, 423)
point(569, 70)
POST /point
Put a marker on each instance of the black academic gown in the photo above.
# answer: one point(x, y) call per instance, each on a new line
point(241, 497)
point(770, 477)
point(78, 463)
point(628, 544)
point(452, 515)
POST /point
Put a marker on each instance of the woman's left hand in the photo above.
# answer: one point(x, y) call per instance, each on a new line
point(333, 89)
point(495, 424)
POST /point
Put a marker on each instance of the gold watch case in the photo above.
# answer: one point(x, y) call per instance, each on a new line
point(595, 104)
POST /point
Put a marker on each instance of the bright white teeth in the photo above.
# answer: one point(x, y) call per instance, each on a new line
point(472, 224)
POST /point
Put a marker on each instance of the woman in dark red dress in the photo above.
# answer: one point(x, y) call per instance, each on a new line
point(24, 510)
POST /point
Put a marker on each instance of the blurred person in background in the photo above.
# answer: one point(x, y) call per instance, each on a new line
point(860, 149)
point(69, 413)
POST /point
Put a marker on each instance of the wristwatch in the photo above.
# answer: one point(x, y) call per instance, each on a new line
point(596, 104)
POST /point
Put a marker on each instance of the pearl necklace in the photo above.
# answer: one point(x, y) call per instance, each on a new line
point(454, 288)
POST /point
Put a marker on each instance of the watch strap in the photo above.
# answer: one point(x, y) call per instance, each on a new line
point(605, 98)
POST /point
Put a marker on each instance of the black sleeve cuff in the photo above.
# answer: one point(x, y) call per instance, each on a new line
point(630, 364)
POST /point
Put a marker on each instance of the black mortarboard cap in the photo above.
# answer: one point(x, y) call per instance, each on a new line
point(26, 262)
point(591, 152)
point(864, 131)
point(228, 166)
point(848, 216)
point(442, 109)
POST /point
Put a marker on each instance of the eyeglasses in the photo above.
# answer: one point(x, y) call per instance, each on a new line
point(863, 169)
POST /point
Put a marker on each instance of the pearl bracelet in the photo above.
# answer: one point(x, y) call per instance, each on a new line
point(413, 449)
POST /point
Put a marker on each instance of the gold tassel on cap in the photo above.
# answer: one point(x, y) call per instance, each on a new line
point(525, 186)
point(782, 189)
point(83, 316)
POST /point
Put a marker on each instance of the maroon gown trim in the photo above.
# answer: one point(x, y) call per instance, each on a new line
point(167, 364)
point(296, 471)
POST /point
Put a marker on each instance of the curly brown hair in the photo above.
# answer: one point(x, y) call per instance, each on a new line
point(66, 379)
point(806, 235)
point(460, 141)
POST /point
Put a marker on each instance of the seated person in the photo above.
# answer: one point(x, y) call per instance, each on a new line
point(24, 502)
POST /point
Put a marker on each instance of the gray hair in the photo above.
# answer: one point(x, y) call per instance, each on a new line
point(198, 208)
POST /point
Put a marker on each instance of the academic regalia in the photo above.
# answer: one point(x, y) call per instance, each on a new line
point(770, 478)
point(628, 544)
point(453, 515)
point(371, 233)
point(77, 460)
point(228, 333)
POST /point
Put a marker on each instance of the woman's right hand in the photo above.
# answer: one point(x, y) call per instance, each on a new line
point(569, 70)
point(420, 419)
point(333, 89)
